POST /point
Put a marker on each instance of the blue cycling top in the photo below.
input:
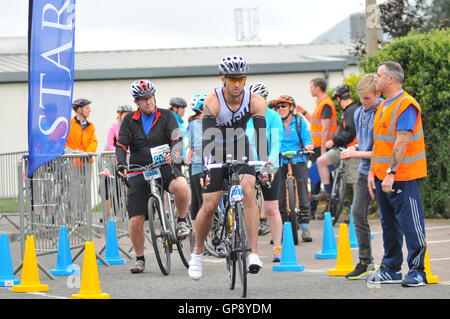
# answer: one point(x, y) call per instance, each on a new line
point(293, 142)
point(274, 127)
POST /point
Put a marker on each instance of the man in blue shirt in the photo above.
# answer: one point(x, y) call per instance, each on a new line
point(296, 136)
point(364, 117)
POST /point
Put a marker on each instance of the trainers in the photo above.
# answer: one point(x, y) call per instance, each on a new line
point(196, 266)
point(182, 229)
point(415, 278)
point(361, 271)
point(139, 266)
point(321, 196)
point(263, 228)
point(276, 254)
point(306, 236)
point(254, 263)
point(384, 276)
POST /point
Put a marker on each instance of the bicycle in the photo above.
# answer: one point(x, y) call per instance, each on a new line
point(162, 222)
point(337, 196)
point(234, 232)
point(292, 203)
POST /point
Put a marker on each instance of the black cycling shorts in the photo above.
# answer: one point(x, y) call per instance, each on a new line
point(139, 191)
point(219, 175)
point(273, 192)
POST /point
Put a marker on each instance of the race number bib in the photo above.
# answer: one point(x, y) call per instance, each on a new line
point(236, 194)
point(158, 153)
point(152, 175)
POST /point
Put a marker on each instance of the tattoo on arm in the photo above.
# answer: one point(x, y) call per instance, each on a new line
point(206, 110)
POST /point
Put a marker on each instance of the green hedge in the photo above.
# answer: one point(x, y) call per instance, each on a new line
point(426, 61)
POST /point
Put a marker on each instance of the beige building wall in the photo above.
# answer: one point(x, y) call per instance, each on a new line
point(107, 94)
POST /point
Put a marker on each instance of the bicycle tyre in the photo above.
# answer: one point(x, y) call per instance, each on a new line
point(160, 241)
point(230, 257)
point(185, 246)
point(241, 248)
point(292, 208)
point(336, 203)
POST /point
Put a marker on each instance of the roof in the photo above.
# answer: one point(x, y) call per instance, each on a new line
point(201, 61)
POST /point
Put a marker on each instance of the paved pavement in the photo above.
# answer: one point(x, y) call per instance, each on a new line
point(312, 283)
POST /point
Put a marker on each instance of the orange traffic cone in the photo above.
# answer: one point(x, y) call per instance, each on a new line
point(344, 261)
point(30, 274)
point(432, 279)
point(90, 283)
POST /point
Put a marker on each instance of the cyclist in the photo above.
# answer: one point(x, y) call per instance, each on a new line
point(178, 107)
point(82, 132)
point(296, 136)
point(226, 112)
point(345, 137)
point(323, 126)
point(364, 117)
point(195, 153)
point(270, 208)
point(113, 132)
point(141, 131)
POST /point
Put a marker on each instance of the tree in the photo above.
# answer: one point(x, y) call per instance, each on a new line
point(399, 17)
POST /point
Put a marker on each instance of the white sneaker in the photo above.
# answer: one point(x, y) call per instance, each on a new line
point(254, 263)
point(196, 266)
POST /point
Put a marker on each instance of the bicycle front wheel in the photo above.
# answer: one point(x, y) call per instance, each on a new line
point(160, 241)
point(231, 255)
point(241, 248)
point(336, 203)
point(185, 246)
point(292, 208)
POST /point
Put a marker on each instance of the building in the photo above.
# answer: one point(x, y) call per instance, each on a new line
point(105, 78)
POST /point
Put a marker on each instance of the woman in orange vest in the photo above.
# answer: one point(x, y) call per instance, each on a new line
point(398, 162)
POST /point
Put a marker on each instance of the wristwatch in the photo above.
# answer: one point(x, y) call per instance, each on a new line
point(390, 171)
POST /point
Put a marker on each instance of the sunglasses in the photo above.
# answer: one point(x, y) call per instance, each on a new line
point(282, 106)
point(233, 80)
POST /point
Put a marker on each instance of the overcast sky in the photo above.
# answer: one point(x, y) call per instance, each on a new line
point(133, 24)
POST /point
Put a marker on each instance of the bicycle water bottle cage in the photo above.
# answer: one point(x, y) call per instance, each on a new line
point(289, 154)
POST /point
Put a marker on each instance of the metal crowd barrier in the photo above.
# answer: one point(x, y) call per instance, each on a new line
point(8, 186)
point(58, 194)
point(113, 196)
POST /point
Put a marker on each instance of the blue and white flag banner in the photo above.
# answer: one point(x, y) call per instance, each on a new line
point(51, 34)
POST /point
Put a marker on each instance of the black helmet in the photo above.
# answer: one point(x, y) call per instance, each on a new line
point(341, 91)
point(80, 103)
point(178, 102)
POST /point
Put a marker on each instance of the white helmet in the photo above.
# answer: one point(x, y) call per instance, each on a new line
point(233, 64)
point(260, 89)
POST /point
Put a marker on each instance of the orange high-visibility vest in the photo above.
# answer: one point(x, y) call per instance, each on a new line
point(316, 122)
point(414, 164)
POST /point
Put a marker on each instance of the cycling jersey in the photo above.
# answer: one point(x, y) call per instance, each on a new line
point(164, 130)
point(293, 142)
point(274, 134)
point(195, 141)
point(184, 132)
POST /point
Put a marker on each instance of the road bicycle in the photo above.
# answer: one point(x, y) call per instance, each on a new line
point(162, 219)
point(234, 232)
point(292, 202)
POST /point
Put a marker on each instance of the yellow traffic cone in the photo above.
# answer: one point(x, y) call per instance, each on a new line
point(90, 283)
point(30, 274)
point(432, 279)
point(344, 261)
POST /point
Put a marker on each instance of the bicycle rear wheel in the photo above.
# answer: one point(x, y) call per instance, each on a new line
point(241, 248)
point(336, 203)
point(292, 208)
point(185, 246)
point(160, 241)
point(213, 244)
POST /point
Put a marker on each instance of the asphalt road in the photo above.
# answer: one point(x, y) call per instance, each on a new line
point(312, 283)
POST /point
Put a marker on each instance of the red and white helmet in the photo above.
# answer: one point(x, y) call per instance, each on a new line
point(142, 88)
